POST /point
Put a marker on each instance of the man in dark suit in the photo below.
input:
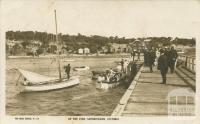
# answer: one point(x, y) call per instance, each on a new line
point(163, 65)
point(133, 54)
point(172, 59)
point(133, 70)
point(145, 57)
point(151, 59)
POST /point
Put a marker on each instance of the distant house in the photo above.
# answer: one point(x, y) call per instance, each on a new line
point(80, 51)
point(86, 50)
point(52, 47)
point(119, 48)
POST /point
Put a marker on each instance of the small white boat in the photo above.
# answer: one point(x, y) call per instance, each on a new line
point(81, 68)
point(32, 82)
point(69, 60)
point(106, 85)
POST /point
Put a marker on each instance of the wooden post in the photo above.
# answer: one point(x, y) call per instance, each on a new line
point(192, 64)
point(186, 59)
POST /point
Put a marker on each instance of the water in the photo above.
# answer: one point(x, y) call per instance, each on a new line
point(81, 100)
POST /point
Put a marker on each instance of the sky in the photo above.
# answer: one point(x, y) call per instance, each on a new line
point(136, 18)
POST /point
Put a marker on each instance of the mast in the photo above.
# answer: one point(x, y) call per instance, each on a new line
point(58, 56)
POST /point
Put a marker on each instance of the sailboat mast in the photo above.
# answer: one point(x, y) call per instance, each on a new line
point(58, 57)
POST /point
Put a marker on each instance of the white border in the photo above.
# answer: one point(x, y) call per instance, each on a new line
point(62, 119)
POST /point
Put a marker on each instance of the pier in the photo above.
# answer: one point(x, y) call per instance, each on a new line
point(147, 96)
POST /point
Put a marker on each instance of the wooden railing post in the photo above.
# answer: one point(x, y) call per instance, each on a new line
point(189, 62)
point(193, 64)
point(186, 59)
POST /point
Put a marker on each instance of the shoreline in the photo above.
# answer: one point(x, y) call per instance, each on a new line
point(71, 56)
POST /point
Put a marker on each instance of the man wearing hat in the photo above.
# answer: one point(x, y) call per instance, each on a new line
point(172, 59)
point(163, 65)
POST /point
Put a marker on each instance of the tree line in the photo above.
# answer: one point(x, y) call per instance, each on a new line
point(93, 42)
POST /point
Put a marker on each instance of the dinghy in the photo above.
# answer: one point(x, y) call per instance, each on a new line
point(68, 60)
point(109, 80)
point(81, 68)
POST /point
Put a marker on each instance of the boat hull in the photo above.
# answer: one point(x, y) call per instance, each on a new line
point(81, 69)
point(47, 87)
point(106, 86)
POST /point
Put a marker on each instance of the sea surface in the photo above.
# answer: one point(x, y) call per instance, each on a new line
point(81, 100)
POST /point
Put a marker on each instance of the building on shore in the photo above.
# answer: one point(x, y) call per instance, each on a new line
point(86, 50)
point(119, 48)
point(52, 47)
point(80, 51)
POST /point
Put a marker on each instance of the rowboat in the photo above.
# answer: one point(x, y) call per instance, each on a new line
point(108, 81)
point(69, 60)
point(106, 86)
point(81, 68)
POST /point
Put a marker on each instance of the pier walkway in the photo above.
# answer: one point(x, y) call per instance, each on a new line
point(147, 96)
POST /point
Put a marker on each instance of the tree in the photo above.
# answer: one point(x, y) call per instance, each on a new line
point(16, 49)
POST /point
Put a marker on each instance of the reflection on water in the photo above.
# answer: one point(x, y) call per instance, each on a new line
point(83, 99)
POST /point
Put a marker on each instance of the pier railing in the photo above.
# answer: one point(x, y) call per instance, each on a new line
point(189, 62)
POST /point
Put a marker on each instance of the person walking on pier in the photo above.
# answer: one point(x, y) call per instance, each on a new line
point(157, 56)
point(133, 54)
point(163, 65)
point(133, 70)
point(167, 53)
point(125, 65)
point(145, 57)
point(138, 53)
point(172, 59)
point(151, 59)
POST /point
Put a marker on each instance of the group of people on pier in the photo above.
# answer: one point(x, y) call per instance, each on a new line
point(163, 58)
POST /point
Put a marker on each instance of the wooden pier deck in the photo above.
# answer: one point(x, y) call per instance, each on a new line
point(146, 96)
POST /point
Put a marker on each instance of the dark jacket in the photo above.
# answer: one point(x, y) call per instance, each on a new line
point(173, 55)
point(134, 68)
point(151, 57)
point(163, 63)
point(67, 69)
point(133, 53)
